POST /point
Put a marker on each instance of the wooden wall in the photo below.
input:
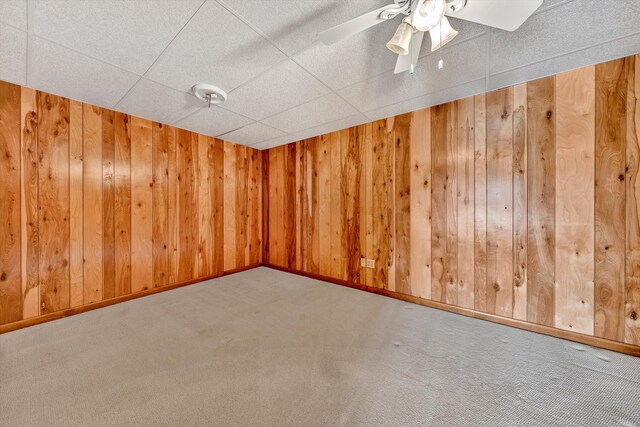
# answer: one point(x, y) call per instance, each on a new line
point(97, 204)
point(522, 203)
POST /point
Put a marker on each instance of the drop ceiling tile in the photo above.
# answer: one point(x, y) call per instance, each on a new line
point(62, 71)
point(217, 48)
point(347, 122)
point(128, 34)
point(275, 142)
point(252, 134)
point(314, 113)
point(293, 24)
point(365, 55)
point(14, 13)
point(463, 62)
point(279, 89)
point(560, 30)
point(13, 51)
point(439, 97)
point(157, 102)
point(213, 121)
point(591, 55)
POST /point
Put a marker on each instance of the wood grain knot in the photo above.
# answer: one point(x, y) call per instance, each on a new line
point(496, 287)
point(621, 177)
point(549, 114)
point(3, 277)
point(634, 315)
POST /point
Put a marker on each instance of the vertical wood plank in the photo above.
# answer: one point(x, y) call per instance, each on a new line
point(205, 166)
point(439, 124)
point(29, 203)
point(575, 149)
point(76, 274)
point(541, 200)
point(382, 146)
point(302, 211)
point(122, 207)
point(451, 195)
point(230, 211)
point(10, 209)
point(266, 190)
point(141, 205)
point(219, 232)
point(632, 284)
point(255, 213)
point(420, 203)
point(352, 178)
point(324, 205)
point(402, 203)
point(53, 186)
point(160, 136)
point(290, 205)
point(336, 200)
point(313, 178)
point(610, 199)
point(367, 214)
point(108, 201)
point(241, 205)
point(520, 202)
point(465, 202)
point(480, 215)
point(173, 239)
point(500, 202)
point(92, 189)
point(187, 208)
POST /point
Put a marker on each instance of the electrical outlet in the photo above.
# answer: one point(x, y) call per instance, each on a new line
point(363, 262)
point(371, 263)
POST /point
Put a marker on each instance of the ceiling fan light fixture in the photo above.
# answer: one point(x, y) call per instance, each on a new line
point(401, 40)
point(441, 34)
point(426, 14)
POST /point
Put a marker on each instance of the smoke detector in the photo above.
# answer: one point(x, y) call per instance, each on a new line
point(209, 93)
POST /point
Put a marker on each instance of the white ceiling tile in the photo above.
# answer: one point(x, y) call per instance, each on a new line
point(439, 97)
point(591, 55)
point(463, 62)
point(252, 134)
point(314, 113)
point(346, 122)
point(279, 89)
point(157, 102)
point(293, 24)
point(275, 142)
point(213, 121)
point(56, 69)
point(14, 13)
point(563, 29)
point(13, 51)
point(217, 48)
point(128, 34)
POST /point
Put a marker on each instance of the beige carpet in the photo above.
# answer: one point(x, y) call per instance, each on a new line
point(264, 347)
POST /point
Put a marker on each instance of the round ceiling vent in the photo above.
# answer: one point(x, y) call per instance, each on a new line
point(209, 93)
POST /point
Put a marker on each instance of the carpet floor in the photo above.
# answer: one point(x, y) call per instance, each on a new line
point(264, 347)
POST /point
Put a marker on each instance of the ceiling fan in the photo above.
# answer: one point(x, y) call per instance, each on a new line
point(431, 15)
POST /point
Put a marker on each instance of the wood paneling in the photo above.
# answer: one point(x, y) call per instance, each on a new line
point(632, 280)
point(76, 206)
point(99, 206)
point(161, 135)
point(499, 285)
point(610, 104)
point(420, 204)
point(575, 150)
point(29, 203)
point(10, 227)
point(290, 206)
point(141, 205)
point(519, 205)
point(53, 202)
point(540, 200)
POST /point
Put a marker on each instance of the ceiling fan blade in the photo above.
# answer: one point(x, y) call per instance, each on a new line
point(349, 28)
point(506, 15)
point(404, 61)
